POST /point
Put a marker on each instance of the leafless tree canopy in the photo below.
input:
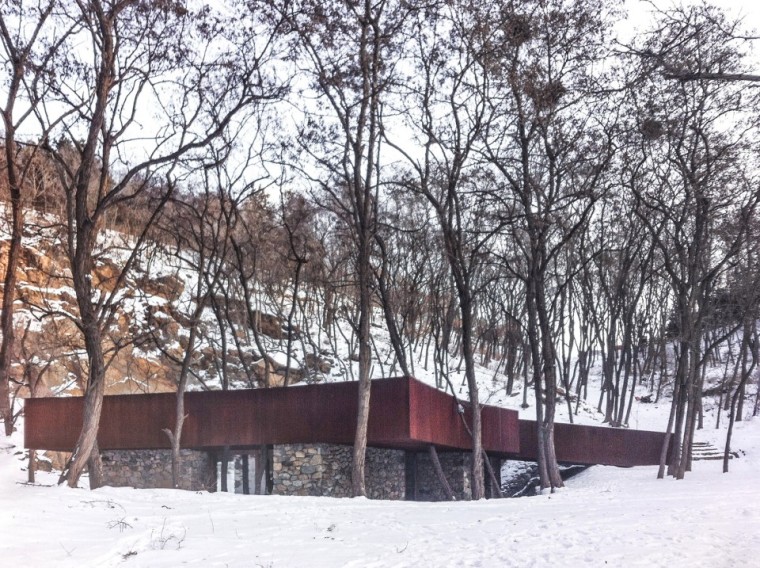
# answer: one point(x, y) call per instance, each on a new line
point(502, 188)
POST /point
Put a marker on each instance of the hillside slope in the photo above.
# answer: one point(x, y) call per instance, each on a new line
point(606, 516)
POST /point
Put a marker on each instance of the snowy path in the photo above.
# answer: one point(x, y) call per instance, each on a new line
point(608, 516)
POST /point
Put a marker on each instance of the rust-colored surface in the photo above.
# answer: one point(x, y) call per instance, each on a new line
point(403, 414)
point(435, 419)
point(595, 445)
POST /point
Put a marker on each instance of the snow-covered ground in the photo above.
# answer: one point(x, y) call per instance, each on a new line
point(606, 516)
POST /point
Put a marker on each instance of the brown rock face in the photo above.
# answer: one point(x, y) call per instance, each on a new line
point(169, 287)
point(145, 338)
point(105, 275)
point(50, 354)
point(132, 373)
point(276, 373)
point(273, 326)
point(317, 363)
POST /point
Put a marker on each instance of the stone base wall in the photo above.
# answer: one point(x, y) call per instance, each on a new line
point(325, 469)
point(491, 491)
point(423, 483)
point(302, 469)
point(146, 469)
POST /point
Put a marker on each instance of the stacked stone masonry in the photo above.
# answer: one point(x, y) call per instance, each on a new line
point(325, 470)
point(423, 483)
point(153, 469)
point(301, 469)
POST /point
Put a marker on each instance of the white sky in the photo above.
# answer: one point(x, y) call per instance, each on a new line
point(749, 10)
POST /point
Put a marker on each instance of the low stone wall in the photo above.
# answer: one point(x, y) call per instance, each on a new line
point(302, 469)
point(325, 469)
point(423, 483)
point(153, 469)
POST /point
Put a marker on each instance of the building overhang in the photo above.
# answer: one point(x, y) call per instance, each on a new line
point(404, 414)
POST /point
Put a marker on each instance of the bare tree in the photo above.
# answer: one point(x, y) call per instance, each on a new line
point(695, 140)
point(347, 52)
point(197, 229)
point(550, 140)
point(745, 287)
point(136, 57)
point(24, 29)
point(295, 219)
point(623, 266)
point(443, 106)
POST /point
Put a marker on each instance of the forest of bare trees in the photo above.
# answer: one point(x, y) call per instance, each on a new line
point(504, 186)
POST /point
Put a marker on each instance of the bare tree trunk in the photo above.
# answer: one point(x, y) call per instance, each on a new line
point(95, 468)
point(249, 310)
point(82, 230)
point(478, 487)
point(175, 437)
point(669, 437)
point(495, 483)
point(358, 486)
point(694, 390)
point(300, 260)
point(14, 250)
point(9, 295)
point(388, 312)
point(86, 445)
point(32, 466)
point(748, 346)
point(441, 476)
point(544, 377)
point(18, 57)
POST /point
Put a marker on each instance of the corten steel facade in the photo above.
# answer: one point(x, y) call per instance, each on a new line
point(594, 445)
point(404, 414)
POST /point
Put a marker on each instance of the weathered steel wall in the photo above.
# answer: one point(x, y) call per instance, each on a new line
point(403, 414)
point(436, 419)
point(595, 444)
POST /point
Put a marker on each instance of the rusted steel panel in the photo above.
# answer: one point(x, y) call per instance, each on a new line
point(301, 414)
point(52, 423)
point(403, 413)
point(127, 422)
point(435, 419)
point(500, 430)
point(595, 445)
point(389, 412)
point(131, 422)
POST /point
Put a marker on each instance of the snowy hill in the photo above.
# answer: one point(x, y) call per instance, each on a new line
point(611, 515)
point(606, 516)
point(151, 330)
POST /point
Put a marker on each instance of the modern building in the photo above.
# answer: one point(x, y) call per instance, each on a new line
point(300, 439)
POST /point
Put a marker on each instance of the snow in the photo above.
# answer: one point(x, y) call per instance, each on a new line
point(606, 515)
